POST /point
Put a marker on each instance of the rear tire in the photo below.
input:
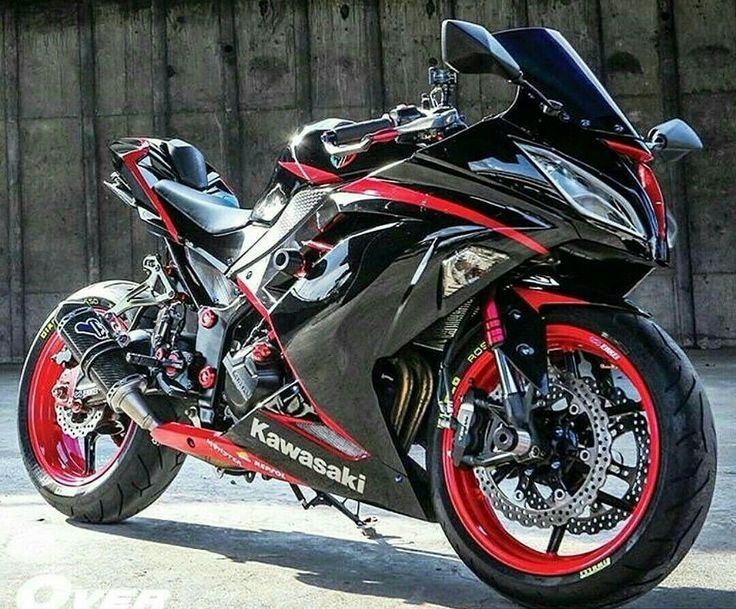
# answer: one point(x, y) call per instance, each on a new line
point(681, 497)
point(141, 470)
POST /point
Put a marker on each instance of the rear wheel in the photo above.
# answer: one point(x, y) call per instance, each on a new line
point(627, 476)
point(88, 462)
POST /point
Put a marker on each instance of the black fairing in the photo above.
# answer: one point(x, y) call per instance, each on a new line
point(489, 151)
point(307, 148)
point(373, 284)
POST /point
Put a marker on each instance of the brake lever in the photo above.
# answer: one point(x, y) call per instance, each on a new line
point(340, 151)
point(440, 120)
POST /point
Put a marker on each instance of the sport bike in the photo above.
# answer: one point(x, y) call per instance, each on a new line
point(418, 314)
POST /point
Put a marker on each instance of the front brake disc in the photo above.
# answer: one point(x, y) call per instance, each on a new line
point(530, 506)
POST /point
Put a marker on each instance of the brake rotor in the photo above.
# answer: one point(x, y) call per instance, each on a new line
point(75, 420)
point(530, 505)
point(602, 517)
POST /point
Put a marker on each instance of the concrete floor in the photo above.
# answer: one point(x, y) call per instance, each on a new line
point(214, 543)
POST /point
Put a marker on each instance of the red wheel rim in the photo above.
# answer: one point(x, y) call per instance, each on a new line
point(478, 517)
point(58, 455)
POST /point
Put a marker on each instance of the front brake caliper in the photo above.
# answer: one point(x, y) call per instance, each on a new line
point(464, 420)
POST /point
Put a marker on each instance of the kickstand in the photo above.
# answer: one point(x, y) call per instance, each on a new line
point(321, 498)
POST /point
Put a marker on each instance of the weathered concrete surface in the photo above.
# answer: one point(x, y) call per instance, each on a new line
point(237, 78)
point(214, 544)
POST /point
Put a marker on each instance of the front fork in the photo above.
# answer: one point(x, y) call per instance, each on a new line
point(522, 349)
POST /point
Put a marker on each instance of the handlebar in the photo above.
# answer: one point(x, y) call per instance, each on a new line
point(355, 132)
point(401, 121)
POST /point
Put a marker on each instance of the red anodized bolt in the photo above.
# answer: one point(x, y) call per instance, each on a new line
point(206, 377)
point(261, 352)
point(207, 318)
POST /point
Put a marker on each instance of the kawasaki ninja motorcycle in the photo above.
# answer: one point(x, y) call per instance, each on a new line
point(417, 314)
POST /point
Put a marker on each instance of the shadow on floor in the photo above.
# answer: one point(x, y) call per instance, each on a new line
point(375, 568)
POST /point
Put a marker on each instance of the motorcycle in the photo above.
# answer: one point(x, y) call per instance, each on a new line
point(418, 314)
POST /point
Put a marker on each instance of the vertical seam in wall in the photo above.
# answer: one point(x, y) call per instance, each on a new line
point(601, 44)
point(85, 36)
point(681, 177)
point(686, 319)
point(14, 173)
point(378, 35)
point(160, 77)
point(521, 13)
point(305, 88)
point(160, 59)
point(233, 135)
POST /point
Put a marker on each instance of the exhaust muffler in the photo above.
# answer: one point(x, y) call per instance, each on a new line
point(94, 344)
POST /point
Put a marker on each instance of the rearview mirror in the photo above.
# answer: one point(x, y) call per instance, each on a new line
point(469, 48)
point(673, 139)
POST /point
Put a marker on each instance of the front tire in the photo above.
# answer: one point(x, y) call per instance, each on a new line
point(133, 477)
point(670, 513)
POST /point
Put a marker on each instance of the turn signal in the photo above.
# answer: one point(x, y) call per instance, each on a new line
point(468, 265)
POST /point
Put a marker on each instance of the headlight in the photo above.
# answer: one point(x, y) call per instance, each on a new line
point(467, 266)
point(586, 193)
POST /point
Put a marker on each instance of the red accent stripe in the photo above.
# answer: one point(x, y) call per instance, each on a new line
point(537, 298)
point(258, 305)
point(215, 449)
point(394, 192)
point(385, 135)
point(131, 162)
point(633, 152)
point(320, 246)
point(654, 192)
point(647, 179)
point(313, 175)
point(291, 423)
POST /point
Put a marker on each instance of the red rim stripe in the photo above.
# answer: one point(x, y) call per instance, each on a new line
point(474, 511)
point(394, 192)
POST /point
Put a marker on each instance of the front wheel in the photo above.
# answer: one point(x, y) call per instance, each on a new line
point(626, 478)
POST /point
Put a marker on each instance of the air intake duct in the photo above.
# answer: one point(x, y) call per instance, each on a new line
point(93, 343)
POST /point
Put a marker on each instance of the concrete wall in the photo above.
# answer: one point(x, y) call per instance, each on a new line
point(238, 77)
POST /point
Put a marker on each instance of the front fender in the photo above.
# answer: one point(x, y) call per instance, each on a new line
point(514, 321)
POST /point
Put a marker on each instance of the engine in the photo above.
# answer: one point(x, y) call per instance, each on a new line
point(256, 376)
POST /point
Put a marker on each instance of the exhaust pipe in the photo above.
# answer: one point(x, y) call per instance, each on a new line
point(413, 395)
point(93, 343)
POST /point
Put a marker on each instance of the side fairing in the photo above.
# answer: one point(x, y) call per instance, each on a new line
point(375, 288)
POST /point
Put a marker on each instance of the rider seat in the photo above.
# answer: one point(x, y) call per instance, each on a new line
point(209, 212)
point(188, 162)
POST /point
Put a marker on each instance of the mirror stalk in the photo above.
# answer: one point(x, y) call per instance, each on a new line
point(549, 106)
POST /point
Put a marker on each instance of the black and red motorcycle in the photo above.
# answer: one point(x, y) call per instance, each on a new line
point(418, 314)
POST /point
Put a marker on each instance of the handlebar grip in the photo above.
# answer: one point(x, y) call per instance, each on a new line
point(356, 131)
